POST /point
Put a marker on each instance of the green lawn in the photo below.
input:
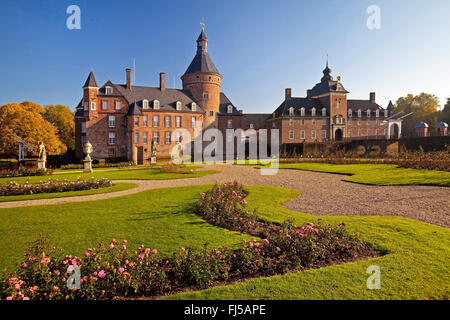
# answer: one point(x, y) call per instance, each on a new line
point(415, 267)
point(141, 174)
point(377, 174)
point(115, 187)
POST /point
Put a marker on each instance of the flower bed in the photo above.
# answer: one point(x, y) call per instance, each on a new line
point(25, 172)
point(114, 271)
point(14, 188)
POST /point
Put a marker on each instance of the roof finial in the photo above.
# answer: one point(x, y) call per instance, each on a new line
point(327, 60)
point(202, 23)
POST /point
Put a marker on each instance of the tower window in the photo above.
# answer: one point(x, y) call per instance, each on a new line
point(211, 113)
point(136, 122)
point(230, 109)
point(313, 112)
point(302, 112)
point(156, 104)
point(291, 111)
point(83, 127)
point(205, 96)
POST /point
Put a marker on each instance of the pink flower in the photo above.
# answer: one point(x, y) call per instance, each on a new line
point(266, 241)
point(121, 270)
point(240, 219)
point(183, 249)
point(24, 265)
point(26, 298)
point(256, 244)
point(251, 244)
point(111, 246)
point(8, 298)
point(202, 194)
point(154, 251)
point(74, 262)
point(17, 286)
point(126, 261)
point(102, 274)
point(55, 288)
point(278, 249)
point(95, 273)
point(86, 254)
point(141, 256)
point(124, 247)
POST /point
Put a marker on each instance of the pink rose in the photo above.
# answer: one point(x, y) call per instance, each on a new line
point(55, 288)
point(154, 251)
point(183, 249)
point(86, 254)
point(121, 270)
point(141, 256)
point(102, 274)
point(111, 246)
point(266, 241)
point(124, 247)
point(24, 265)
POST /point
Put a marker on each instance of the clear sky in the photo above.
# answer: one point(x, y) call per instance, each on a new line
point(259, 46)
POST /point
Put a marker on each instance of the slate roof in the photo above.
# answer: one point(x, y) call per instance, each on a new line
point(224, 103)
point(422, 125)
point(441, 124)
point(133, 110)
point(257, 119)
point(79, 112)
point(327, 84)
point(90, 81)
point(297, 104)
point(202, 62)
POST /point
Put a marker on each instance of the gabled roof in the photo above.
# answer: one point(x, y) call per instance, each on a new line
point(224, 103)
point(297, 104)
point(90, 81)
point(133, 109)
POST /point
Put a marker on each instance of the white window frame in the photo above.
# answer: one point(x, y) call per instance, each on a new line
point(324, 134)
point(291, 111)
point(193, 106)
point(193, 122)
point(178, 121)
point(156, 121)
point(178, 106)
point(350, 133)
point(229, 108)
point(111, 138)
point(93, 106)
point(104, 104)
point(156, 137)
point(359, 113)
point(111, 121)
point(291, 134)
point(168, 138)
point(230, 124)
point(156, 104)
point(145, 138)
point(136, 137)
point(368, 112)
point(302, 112)
point(167, 121)
point(145, 104)
point(350, 113)
point(145, 121)
point(377, 113)
point(136, 121)
point(291, 122)
point(108, 90)
point(302, 134)
point(313, 112)
point(118, 105)
point(313, 134)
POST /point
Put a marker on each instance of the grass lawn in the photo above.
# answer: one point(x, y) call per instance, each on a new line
point(377, 174)
point(141, 174)
point(115, 187)
point(416, 266)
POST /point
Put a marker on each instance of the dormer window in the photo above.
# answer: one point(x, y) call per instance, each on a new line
point(302, 112)
point(368, 113)
point(145, 104)
point(229, 108)
point(178, 105)
point(291, 111)
point(350, 113)
point(359, 113)
point(324, 112)
point(313, 112)
point(108, 90)
point(377, 113)
point(156, 104)
point(251, 125)
point(193, 106)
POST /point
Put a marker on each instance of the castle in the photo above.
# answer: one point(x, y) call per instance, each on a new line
point(121, 120)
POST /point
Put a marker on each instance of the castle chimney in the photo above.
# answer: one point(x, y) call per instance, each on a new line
point(308, 93)
point(287, 93)
point(162, 81)
point(128, 71)
point(372, 97)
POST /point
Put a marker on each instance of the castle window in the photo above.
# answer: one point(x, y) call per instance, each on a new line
point(313, 134)
point(136, 122)
point(178, 105)
point(350, 113)
point(205, 96)
point(111, 121)
point(156, 121)
point(230, 124)
point(136, 137)
point(156, 104)
point(302, 134)
point(291, 111)
point(313, 112)
point(368, 113)
point(168, 122)
point(108, 90)
point(178, 122)
point(324, 134)
point(144, 138)
point(291, 134)
point(168, 140)
point(211, 113)
point(302, 122)
point(104, 105)
point(193, 106)
point(156, 137)
point(118, 105)
point(145, 104)
point(193, 120)
point(230, 109)
point(324, 112)
point(112, 138)
point(111, 152)
point(291, 122)
point(145, 121)
point(313, 121)
point(302, 112)
point(338, 103)
point(92, 105)
point(359, 113)
point(83, 127)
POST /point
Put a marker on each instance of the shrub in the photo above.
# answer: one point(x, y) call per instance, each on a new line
point(14, 188)
point(24, 172)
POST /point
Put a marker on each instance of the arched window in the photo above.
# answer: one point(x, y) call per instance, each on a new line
point(291, 111)
point(178, 105)
point(324, 112)
point(229, 108)
point(193, 106)
point(145, 104)
point(359, 113)
point(350, 113)
point(313, 112)
point(368, 113)
point(156, 104)
point(377, 113)
point(302, 111)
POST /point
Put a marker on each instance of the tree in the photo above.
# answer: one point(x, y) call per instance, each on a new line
point(28, 124)
point(445, 113)
point(63, 119)
point(425, 107)
point(33, 106)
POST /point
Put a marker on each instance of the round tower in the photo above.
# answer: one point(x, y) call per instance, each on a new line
point(202, 79)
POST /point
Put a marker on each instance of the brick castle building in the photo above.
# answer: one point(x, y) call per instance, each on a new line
point(120, 120)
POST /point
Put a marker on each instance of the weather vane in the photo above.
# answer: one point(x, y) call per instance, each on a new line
point(202, 23)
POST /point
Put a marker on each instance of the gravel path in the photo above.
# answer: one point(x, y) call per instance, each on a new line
point(322, 194)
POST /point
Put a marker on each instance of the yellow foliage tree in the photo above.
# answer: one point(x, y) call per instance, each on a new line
point(28, 124)
point(63, 119)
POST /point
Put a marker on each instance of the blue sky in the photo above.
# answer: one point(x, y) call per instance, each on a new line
point(259, 46)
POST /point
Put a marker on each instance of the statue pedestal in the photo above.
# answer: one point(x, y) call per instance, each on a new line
point(152, 160)
point(87, 166)
point(41, 165)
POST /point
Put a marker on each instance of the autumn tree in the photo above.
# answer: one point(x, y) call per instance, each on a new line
point(28, 124)
point(445, 114)
point(425, 107)
point(63, 119)
point(33, 106)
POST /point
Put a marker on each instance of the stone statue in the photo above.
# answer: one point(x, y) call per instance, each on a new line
point(42, 159)
point(87, 160)
point(153, 157)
